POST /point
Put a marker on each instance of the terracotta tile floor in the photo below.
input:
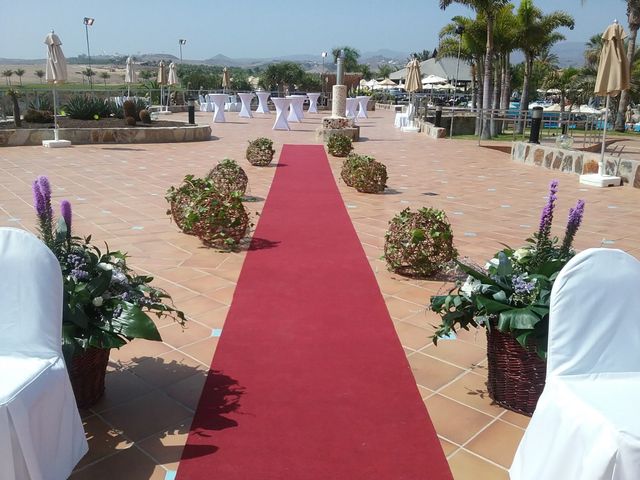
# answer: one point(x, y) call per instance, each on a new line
point(137, 431)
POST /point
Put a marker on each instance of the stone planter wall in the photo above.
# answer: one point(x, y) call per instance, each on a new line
point(81, 136)
point(575, 161)
point(430, 130)
point(387, 106)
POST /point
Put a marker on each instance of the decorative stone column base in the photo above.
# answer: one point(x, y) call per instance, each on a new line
point(337, 125)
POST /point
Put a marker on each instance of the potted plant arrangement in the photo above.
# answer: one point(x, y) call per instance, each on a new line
point(106, 304)
point(364, 173)
point(510, 299)
point(420, 243)
point(339, 145)
point(260, 152)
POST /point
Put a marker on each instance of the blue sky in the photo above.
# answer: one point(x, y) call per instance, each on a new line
point(252, 28)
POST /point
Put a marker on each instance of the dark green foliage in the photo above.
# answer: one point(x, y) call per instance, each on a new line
point(419, 244)
point(84, 107)
point(364, 173)
point(38, 116)
point(260, 152)
point(129, 108)
point(130, 121)
point(339, 145)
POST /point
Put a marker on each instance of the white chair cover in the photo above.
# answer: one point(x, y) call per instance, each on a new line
point(586, 425)
point(232, 104)
point(41, 434)
point(205, 106)
point(403, 119)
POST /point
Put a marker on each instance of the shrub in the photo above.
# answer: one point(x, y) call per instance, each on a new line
point(145, 116)
point(199, 209)
point(364, 173)
point(228, 177)
point(38, 116)
point(339, 145)
point(129, 108)
point(115, 110)
point(83, 107)
point(260, 152)
point(130, 121)
point(419, 243)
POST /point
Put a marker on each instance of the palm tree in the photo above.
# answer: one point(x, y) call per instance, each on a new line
point(420, 56)
point(145, 74)
point(536, 33)
point(384, 70)
point(633, 16)
point(40, 74)
point(7, 76)
point(20, 72)
point(487, 9)
point(504, 36)
point(105, 76)
point(351, 56)
point(563, 80)
point(592, 52)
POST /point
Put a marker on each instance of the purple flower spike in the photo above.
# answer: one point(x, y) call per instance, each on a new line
point(45, 187)
point(575, 219)
point(547, 213)
point(38, 200)
point(65, 211)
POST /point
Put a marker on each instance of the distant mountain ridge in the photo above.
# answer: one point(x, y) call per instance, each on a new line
point(569, 54)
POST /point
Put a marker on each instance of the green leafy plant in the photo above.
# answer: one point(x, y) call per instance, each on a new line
point(339, 145)
point(420, 243)
point(513, 291)
point(199, 208)
point(364, 173)
point(228, 178)
point(84, 107)
point(260, 152)
point(106, 304)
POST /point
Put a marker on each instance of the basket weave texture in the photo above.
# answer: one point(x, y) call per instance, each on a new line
point(516, 374)
point(87, 372)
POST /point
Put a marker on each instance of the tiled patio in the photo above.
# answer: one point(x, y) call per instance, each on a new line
point(117, 191)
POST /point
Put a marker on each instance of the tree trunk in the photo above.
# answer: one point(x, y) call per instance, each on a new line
point(524, 98)
point(488, 78)
point(495, 101)
point(624, 96)
point(505, 93)
point(480, 97)
point(474, 93)
point(16, 110)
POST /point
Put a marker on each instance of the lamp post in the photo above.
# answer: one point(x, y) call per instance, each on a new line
point(181, 42)
point(88, 21)
point(324, 55)
point(459, 31)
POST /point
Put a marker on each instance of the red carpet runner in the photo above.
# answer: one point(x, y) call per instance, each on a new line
point(309, 380)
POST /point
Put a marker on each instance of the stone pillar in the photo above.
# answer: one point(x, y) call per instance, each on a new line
point(340, 70)
point(339, 105)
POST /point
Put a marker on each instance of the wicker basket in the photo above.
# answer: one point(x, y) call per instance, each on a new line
point(87, 372)
point(516, 375)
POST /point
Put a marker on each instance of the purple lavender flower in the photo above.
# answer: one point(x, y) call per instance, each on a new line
point(65, 211)
point(45, 187)
point(38, 200)
point(575, 219)
point(547, 212)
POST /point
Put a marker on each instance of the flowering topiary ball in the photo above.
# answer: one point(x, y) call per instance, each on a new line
point(260, 152)
point(339, 145)
point(419, 244)
point(364, 173)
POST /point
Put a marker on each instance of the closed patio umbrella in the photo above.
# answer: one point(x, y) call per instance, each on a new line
point(612, 78)
point(56, 72)
point(172, 79)
point(226, 81)
point(162, 79)
point(413, 83)
point(129, 75)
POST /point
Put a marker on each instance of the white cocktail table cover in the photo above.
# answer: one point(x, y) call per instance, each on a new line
point(41, 434)
point(282, 105)
point(296, 112)
point(263, 106)
point(363, 101)
point(313, 102)
point(245, 110)
point(218, 100)
point(586, 425)
point(352, 105)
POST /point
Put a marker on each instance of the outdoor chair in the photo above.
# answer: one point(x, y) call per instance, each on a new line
point(402, 118)
point(41, 434)
point(586, 424)
point(232, 105)
point(205, 106)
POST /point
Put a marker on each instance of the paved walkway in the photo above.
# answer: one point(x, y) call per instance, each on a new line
point(117, 191)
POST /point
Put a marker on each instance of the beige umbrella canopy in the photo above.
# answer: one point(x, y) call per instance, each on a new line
point(162, 73)
point(413, 82)
point(613, 74)
point(129, 75)
point(613, 69)
point(226, 81)
point(172, 79)
point(387, 82)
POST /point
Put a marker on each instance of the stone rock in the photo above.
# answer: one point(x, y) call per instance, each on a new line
point(567, 164)
point(538, 155)
point(548, 160)
point(557, 161)
point(590, 166)
point(625, 170)
point(577, 165)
